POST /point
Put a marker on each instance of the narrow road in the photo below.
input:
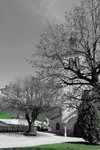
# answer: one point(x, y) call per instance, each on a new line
point(15, 140)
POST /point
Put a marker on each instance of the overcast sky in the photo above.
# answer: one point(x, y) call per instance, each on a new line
point(21, 22)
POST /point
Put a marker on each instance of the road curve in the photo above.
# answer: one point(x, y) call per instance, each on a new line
point(15, 140)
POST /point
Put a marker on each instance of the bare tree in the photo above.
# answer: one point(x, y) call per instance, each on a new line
point(30, 96)
point(70, 51)
point(26, 96)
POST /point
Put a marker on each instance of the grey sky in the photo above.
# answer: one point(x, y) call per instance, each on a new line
point(21, 22)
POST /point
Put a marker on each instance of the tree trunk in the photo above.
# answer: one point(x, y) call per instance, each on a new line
point(29, 126)
point(31, 129)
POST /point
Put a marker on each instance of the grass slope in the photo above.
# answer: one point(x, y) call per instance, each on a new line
point(62, 146)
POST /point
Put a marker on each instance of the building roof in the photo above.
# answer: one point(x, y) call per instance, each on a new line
point(65, 114)
point(68, 114)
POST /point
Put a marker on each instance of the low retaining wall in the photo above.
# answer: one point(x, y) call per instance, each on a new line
point(13, 128)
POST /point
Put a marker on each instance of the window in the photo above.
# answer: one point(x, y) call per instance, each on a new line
point(57, 126)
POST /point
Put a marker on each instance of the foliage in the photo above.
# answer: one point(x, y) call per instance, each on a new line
point(88, 120)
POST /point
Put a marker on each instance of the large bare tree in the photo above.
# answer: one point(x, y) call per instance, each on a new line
point(70, 51)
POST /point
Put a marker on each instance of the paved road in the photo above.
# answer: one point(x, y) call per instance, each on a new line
point(14, 140)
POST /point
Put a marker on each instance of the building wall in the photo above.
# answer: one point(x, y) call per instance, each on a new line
point(62, 121)
point(70, 126)
point(53, 125)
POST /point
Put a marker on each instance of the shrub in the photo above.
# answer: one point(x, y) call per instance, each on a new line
point(88, 122)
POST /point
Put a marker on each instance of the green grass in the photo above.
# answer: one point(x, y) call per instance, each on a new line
point(41, 117)
point(62, 146)
point(71, 146)
point(5, 116)
point(9, 116)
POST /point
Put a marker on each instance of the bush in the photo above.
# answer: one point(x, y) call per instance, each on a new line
point(88, 122)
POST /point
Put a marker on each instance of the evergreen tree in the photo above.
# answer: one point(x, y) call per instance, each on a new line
point(88, 121)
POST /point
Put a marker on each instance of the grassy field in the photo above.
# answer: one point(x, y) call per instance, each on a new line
point(62, 146)
point(5, 116)
point(41, 117)
point(9, 116)
point(70, 146)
